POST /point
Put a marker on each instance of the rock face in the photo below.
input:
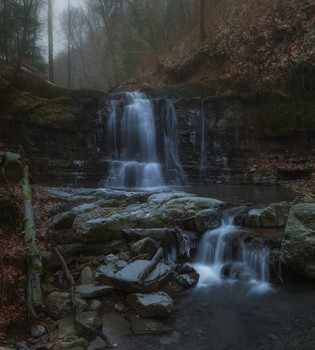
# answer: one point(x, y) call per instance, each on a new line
point(127, 278)
point(65, 136)
point(299, 248)
point(151, 305)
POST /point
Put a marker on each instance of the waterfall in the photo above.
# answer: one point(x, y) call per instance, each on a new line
point(135, 162)
point(173, 168)
point(224, 257)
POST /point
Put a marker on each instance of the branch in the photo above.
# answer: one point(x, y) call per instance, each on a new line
point(146, 272)
point(74, 303)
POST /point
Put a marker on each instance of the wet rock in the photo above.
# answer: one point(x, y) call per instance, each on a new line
point(37, 331)
point(187, 268)
point(207, 219)
point(63, 220)
point(58, 304)
point(127, 278)
point(144, 246)
point(86, 275)
point(100, 230)
point(94, 305)
point(116, 324)
point(85, 208)
point(74, 249)
point(299, 248)
point(121, 307)
point(158, 304)
point(105, 274)
point(120, 264)
point(274, 215)
point(186, 281)
point(89, 291)
point(148, 326)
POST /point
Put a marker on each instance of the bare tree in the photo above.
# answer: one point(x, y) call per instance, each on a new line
point(50, 42)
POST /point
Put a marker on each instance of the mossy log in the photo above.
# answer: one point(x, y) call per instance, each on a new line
point(34, 293)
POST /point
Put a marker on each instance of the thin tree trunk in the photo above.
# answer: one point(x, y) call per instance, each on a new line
point(50, 42)
point(27, 11)
point(202, 21)
point(5, 39)
point(69, 46)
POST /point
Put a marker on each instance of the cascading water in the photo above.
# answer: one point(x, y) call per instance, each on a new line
point(135, 164)
point(223, 257)
point(173, 168)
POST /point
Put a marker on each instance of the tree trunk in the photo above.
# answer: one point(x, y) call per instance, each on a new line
point(50, 42)
point(69, 46)
point(202, 21)
point(34, 293)
point(5, 39)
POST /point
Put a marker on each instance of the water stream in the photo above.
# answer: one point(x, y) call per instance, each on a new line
point(223, 258)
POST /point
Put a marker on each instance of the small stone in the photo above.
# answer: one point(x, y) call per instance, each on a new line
point(95, 305)
point(105, 274)
point(86, 275)
point(120, 264)
point(110, 259)
point(121, 307)
point(37, 331)
point(124, 256)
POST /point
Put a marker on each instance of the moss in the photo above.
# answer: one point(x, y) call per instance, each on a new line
point(281, 116)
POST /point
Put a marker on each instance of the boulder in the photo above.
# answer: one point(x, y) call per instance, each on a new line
point(158, 304)
point(144, 246)
point(127, 278)
point(89, 318)
point(86, 275)
point(58, 304)
point(163, 236)
point(89, 291)
point(299, 247)
point(207, 219)
point(63, 220)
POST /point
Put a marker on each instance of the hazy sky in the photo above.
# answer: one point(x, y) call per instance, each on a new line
point(58, 7)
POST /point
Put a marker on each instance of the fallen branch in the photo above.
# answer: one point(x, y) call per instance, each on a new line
point(179, 234)
point(146, 272)
point(74, 303)
point(34, 263)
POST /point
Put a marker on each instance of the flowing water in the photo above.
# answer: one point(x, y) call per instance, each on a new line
point(135, 163)
point(223, 258)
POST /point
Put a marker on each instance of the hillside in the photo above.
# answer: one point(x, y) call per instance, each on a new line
point(253, 45)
